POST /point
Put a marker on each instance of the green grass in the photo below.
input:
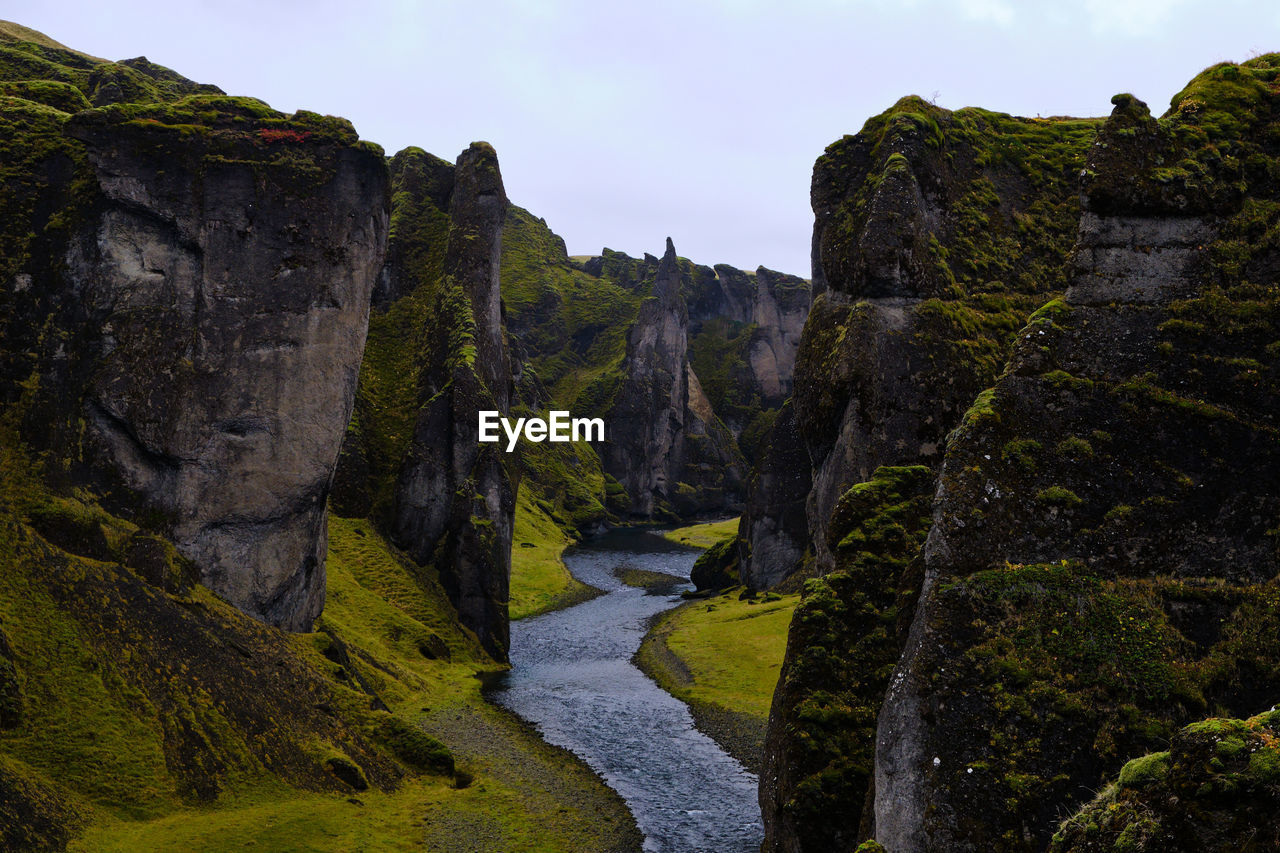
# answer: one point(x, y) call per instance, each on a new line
point(428, 813)
point(103, 711)
point(382, 607)
point(722, 657)
point(704, 535)
point(539, 579)
point(732, 649)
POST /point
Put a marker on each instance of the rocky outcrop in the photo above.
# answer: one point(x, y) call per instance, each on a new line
point(1215, 789)
point(454, 500)
point(844, 640)
point(931, 246)
point(209, 282)
point(663, 441)
point(1102, 560)
point(744, 330)
point(774, 530)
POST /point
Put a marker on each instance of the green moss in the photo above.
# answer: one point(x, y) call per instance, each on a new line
point(1060, 380)
point(718, 566)
point(1075, 447)
point(1144, 771)
point(983, 411)
point(1213, 789)
point(1052, 311)
point(1058, 496)
point(844, 645)
point(1023, 452)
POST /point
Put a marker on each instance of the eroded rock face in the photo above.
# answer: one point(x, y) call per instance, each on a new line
point(930, 249)
point(1099, 552)
point(770, 308)
point(454, 504)
point(933, 248)
point(226, 275)
point(774, 523)
point(664, 443)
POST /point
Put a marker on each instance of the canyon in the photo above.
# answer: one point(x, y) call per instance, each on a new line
point(1014, 444)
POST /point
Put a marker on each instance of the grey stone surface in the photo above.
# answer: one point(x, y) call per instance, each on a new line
point(234, 305)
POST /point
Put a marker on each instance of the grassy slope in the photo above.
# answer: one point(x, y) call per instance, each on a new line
point(539, 579)
point(521, 788)
point(704, 535)
point(722, 657)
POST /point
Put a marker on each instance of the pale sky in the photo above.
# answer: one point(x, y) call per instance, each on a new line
point(624, 123)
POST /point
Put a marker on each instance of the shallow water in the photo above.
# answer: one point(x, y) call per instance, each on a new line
point(572, 677)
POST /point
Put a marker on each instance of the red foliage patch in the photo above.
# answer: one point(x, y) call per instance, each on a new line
point(272, 135)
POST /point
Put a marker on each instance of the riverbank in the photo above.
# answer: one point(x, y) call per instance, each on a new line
point(572, 677)
point(703, 535)
point(540, 582)
point(721, 656)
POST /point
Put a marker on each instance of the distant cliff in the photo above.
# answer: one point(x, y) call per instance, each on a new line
point(687, 364)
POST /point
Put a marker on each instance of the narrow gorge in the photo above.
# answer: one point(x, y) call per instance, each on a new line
point(986, 508)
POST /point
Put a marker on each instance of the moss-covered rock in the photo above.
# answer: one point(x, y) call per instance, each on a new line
point(937, 234)
point(1102, 548)
point(1216, 789)
point(845, 638)
point(716, 567)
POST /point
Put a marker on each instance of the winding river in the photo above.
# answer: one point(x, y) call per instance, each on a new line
point(572, 677)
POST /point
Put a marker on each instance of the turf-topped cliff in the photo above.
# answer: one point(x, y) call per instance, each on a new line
point(936, 235)
point(1099, 548)
point(1119, 484)
point(437, 355)
point(187, 281)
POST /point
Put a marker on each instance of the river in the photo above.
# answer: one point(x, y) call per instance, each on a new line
point(572, 677)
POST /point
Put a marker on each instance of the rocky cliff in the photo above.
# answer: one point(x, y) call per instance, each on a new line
point(935, 235)
point(183, 294)
point(1096, 555)
point(185, 279)
point(204, 298)
point(664, 443)
point(589, 345)
point(744, 331)
point(438, 355)
point(455, 500)
point(1132, 471)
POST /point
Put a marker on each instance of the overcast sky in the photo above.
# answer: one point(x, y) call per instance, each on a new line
point(622, 123)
